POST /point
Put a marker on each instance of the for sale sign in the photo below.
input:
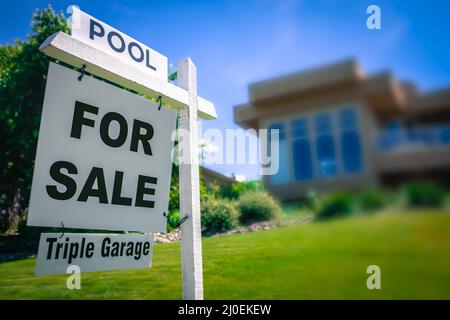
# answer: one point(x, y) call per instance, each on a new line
point(103, 159)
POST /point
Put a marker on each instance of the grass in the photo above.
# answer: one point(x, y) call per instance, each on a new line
point(322, 260)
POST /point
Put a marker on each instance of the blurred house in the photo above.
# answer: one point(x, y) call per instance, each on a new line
point(342, 129)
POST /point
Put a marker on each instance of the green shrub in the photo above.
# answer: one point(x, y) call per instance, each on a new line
point(218, 215)
point(237, 189)
point(423, 194)
point(372, 200)
point(311, 201)
point(337, 204)
point(257, 206)
point(173, 217)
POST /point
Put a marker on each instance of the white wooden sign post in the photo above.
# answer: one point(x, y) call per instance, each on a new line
point(99, 49)
point(191, 241)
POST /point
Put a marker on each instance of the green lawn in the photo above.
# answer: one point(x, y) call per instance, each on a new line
point(320, 260)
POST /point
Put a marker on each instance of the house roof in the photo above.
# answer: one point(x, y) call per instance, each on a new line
point(335, 83)
point(211, 175)
point(347, 71)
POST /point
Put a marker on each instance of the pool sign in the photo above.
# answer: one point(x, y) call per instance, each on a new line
point(93, 252)
point(104, 37)
point(103, 159)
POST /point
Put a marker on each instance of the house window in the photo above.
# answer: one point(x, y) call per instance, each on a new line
point(444, 133)
point(301, 150)
point(350, 141)
point(325, 147)
point(320, 145)
point(282, 176)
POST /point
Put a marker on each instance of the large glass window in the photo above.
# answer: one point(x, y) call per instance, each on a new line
point(302, 160)
point(301, 150)
point(444, 133)
point(350, 140)
point(325, 148)
point(351, 151)
point(282, 176)
point(321, 145)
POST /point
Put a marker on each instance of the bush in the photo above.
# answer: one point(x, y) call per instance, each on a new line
point(218, 215)
point(173, 217)
point(311, 201)
point(372, 200)
point(423, 194)
point(337, 204)
point(237, 189)
point(257, 206)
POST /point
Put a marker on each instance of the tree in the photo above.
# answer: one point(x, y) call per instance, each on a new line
point(23, 71)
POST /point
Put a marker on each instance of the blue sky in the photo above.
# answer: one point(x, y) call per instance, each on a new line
point(237, 42)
